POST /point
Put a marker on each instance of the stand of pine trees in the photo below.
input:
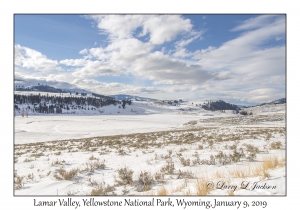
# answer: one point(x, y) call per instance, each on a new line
point(219, 105)
point(55, 104)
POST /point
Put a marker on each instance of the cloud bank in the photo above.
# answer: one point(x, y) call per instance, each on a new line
point(249, 68)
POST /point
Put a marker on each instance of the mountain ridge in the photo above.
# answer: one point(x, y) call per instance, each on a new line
point(22, 85)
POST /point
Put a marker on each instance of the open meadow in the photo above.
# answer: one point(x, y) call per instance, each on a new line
point(160, 151)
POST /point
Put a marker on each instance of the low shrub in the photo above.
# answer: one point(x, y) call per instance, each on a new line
point(275, 145)
point(66, 175)
point(145, 181)
point(124, 176)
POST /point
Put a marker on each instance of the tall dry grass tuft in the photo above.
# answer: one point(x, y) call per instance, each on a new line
point(219, 174)
point(241, 173)
point(269, 163)
point(179, 188)
point(230, 192)
point(162, 191)
point(202, 187)
point(272, 162)
point(188, 192)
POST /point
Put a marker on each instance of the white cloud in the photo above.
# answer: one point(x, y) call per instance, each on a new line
point(83, 52)
point(32, 59)
point(179, 45)
point(256, 22)
point(184, 42)
point(244, 55)
point(182, 53)
point(245, 68)
point(127, 54)
point(113, 87)
point(57, 80)
point(239, 60)
point(165, 28)
point(74, 62)
point(160, 28)
point(98, 68)
point(277, 38)
point(265, 95)
point(159, 67)
point(118, 26)
point(115, 59)
point(224, 75)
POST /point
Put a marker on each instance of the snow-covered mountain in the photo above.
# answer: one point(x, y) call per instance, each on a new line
point(130, 97)
point(21, 85)
point(242, 106)
point(68, 100)
point(279, 101)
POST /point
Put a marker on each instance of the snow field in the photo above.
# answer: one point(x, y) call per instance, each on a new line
point(173, 162)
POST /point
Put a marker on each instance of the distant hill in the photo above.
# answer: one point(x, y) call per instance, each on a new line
point(41, 88)
point(278, 101)
point(44, 86)
point(48, 104)
point(130, 97)
point(242, 106)
point(219, 105)
point(54, 101)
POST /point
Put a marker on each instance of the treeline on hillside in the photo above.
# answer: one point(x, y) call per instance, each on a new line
point(279, 101)
point(41, 88)
point(100, 96)
point(55, 104)
point(219, 105)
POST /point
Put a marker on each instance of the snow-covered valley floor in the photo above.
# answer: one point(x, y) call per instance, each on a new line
point(166, 153)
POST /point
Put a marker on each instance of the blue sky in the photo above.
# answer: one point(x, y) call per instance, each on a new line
point(237, 58)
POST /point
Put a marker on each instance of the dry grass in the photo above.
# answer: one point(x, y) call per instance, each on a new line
point(92, 157)
point(219, 174)
point(269, 163)
point(240, 173)
point(190, 139)
point(18, 181)
point(202, 188)
point(185, 162)
point(159, 177)
point(162, 191)
point(57, 153)
point(30, 177)
point(58, 162)
point(160, 139)
point(92, 165)
point(188, 192)
point(185, 174)
point(200, 147)
point(230, 192)
point(125, 176)
point(145, 180)
point(28, 160)
point(275, 145)
point(66, 175)
point(272, 162)
point(169, 168)
point(103, 190)
point(180, 188)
